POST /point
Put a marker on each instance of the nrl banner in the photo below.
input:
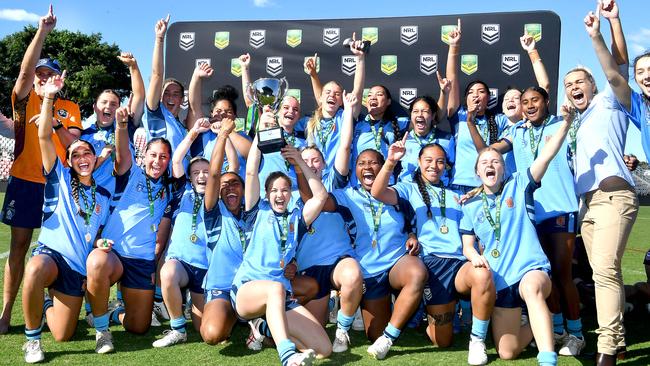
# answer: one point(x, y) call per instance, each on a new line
point(404, 56)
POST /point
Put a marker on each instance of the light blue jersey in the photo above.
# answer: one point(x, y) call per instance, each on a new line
point(162, 123)
point(327, 135)
point(188, 239)
point(64, 229)
point(377, 251)
point(375, 135)
point(415, 143)
point(267, 255)
point(227, 242)
point(557, 194)
point(509, 157)
point(204, 146)
point(274, 162)
point(518, 251)
point(437, 235)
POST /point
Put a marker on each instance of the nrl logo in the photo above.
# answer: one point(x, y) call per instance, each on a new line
point(257, 38)
point(186, 101)
point(317, 64)
point(408, 34)
point(494, 98)
point(428, 64)
point(469, 64)
point(293, 93)
point(331, 36)
point(534, 30)
point(199, 61)
point(510, 63)
point(186, 40)
point(274, 65)
point(370, 34)
point(294, 37)
point(490, 33)
point(235, 67)
point(444, 32)
point(221, 39)
point(348, 65)
point(407, 96)
point(388, 64)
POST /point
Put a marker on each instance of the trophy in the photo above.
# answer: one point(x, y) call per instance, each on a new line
point(268, 92)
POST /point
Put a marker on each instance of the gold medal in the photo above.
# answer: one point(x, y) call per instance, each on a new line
point(374, 243)
point(87, 237)
point(495, 253)
point(153, 228)
point(194, 238)
point(444, 229)
point(281, 263)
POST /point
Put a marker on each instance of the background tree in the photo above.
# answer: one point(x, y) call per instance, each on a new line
point(92, 65)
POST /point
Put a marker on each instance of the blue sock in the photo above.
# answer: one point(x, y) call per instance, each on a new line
point(88, 308)
point(178, 324)
point(479, 328)
point(343, 321)
point(101, 322)
point(48, 303)
point(286, 349)
point(391, 332)
point(466, 308)
point(558, 323)
point(547, 359)
point(119, 295)
point(33, 334)
point(574, 327)
point(115, 315)
point(157, 295)
point(264, 329)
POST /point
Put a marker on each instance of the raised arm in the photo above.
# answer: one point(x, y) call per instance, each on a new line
point(252, 188)
point(213, 185)
point(314, 205)
point(539, 166)
point(316, 85)
point(245, 63)
point(380, 189)
point(25, 79)
point(232, 157)
point(443, 99)
point(178, 169)
point(48, 151)
point(194, 93)
point(502, 146)
point(359, 74)
point(136, 104)
point(342, 160)
point(609, 9)
point(123, 157)
point(528, 44)
point(452, 70)
point(157, 67)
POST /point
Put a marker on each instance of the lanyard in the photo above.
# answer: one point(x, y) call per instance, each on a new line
point(573, 133)
point(323, 134)
point(284, 231)
point(376, 216)
point(496, 222)
point(536, 141)
point(432, 136)
point(440, 197)
point(377, 135)
point(88, 209)
point(290, 139)
point(198, 201)
point(152, 200)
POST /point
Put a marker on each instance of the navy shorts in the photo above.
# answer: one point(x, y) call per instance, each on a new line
point(510, 298)
point(565, 223)
point(195, 276)
point(440, 288)
point(378, 286)
point(289, 303)
point(214, 294)
point(646, 261)
point(138, 273)
point(68, 281)
point(324, 276)
point(23, 205)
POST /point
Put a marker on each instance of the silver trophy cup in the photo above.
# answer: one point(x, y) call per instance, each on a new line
point(268, 92)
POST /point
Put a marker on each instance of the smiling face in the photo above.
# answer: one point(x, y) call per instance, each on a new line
point(331, 99)
point(314, 160)
point(40, 78)
point(232, 191)
point(81, 158)
point(478, 93)
point(199, 175)
point(172, 97)
point(279, 193)
point(535, 106)
point(377, 101)
point(105, 107)
point(368, 165)
point(511, 105)
point(156, 159)
point(642, 74)
point(490, 169)
point(289, 113)
point(579, 88)
point(222, 109)
point(433, 162)
point(421, 117)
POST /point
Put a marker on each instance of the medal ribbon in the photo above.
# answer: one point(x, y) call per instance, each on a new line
point(496, 222)
point(536, 141)
point(88, 209)
point(377, 135)
point(573, 134)
point(152, 200)
point(198, 201)
point(323, 134)
point(284, 231)
point(440, 197)
point(432, 136)
point(376, 213)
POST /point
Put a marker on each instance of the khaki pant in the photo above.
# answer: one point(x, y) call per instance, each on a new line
point(605, 229)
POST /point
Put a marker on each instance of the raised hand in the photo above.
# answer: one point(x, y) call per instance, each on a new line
point(592, 22)
point(527, 42)
point(128, 59)
point(356, 46)
point(291, 154)
point(122, 115)
point(568, 112)
point(245, 61)
point(310, 64)
point(454, 35)
point(204, 70)
point(227, 126)
point(161, 27)
point(349, 100)
point(472, 107)
point(397, 150)
point(444, 83)
point(201, 125)
point(47, 22)
point(267, 120)
point(54, 85)
point(608, 9)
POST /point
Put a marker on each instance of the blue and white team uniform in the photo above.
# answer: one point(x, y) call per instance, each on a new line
point(509, 157)
point(376, 135)
point(463, 175)
point(326, 243)
point(66, 236)
point(415, 143)
point(162, 123)
point(439, 238)
point(204, 145)
point(188, 239)
point(518, 250)
point(378, 232)
point(327, 135)
point(274, 162)
point(639, 114)
point(556, 203)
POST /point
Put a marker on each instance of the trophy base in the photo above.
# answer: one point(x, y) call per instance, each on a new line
point(271, 140)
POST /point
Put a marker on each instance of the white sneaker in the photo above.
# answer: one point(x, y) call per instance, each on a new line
point(154, 320)
point(477, 354)
point(171, 337)
point(341, 341)
point(357, 324)
point(334, 310)
point(33, 351)
point(379, 349)
point(571, 346)
point(104, 340)
point(255, 340)
point(305, 358)
point(160, 310)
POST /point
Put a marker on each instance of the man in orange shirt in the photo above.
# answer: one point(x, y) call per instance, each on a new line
point(22, 208)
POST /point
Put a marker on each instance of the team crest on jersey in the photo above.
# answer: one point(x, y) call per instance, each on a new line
point(407, 96)
point(469, 64)
point(408, 34)
point(257, 38)
point(199, 61)
point(293, 93)
point(139, 187)
point(509, 202)
point(444, 32)
point(235, 67)
point(370, 34)
point(510, 63)
point(348, 64)
point(274, 65)
point(98, 208)
point(186, 40)
point(388, 64)
point(429, 64)
point(294, 37)
point(62, 113)
point(215, 293)
point(317, 64)
point(494, 98)
point(221, 39)
point(186, 100)
point(480, 217)
point(490, 33)
point(534, 30)
point(331, 36)
point(291, 227)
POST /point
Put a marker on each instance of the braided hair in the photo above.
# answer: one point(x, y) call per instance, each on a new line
point(422, 185)
point(493, 128)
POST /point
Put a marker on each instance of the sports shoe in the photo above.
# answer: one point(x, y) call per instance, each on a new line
point(171, 337)
point(160, 310)
point(357, 324)
point(379, 349)
point(104, 340)
point(33, 351)
point(305, 358)
point(154, 320)
point(255, 339)
point(571, 346)
point(341, 341)
point(559, 338)
point(477, 354)
point(90, 319)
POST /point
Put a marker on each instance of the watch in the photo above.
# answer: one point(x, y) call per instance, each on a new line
point(60, 125)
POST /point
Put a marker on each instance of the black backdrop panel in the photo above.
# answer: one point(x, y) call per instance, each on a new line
point(404, 55)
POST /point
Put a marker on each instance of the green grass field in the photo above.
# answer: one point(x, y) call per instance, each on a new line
point(413, 348)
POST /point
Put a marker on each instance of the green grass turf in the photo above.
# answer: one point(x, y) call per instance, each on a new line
point(413, 348)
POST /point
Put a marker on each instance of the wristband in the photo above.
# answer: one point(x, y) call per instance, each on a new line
point(59, 126)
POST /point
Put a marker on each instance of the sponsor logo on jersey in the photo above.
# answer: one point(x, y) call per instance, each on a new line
point(186, 40)
point(408, 34)
point(348, 64)
point(370, 34)
point(510, 63)
point(331, 36)
point(428, 63)
point(221, 39)
point(388, 64)
point(257, 38)
point(294, 37)
point(469, 64)
point(407, 96)
point(490, 33)
point(274, 65)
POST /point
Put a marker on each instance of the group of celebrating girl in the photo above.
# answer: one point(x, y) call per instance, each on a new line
point(389, 212)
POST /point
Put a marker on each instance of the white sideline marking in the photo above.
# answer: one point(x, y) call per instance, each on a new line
point(6, 254)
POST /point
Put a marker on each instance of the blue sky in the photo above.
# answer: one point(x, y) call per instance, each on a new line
point(129, 24)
